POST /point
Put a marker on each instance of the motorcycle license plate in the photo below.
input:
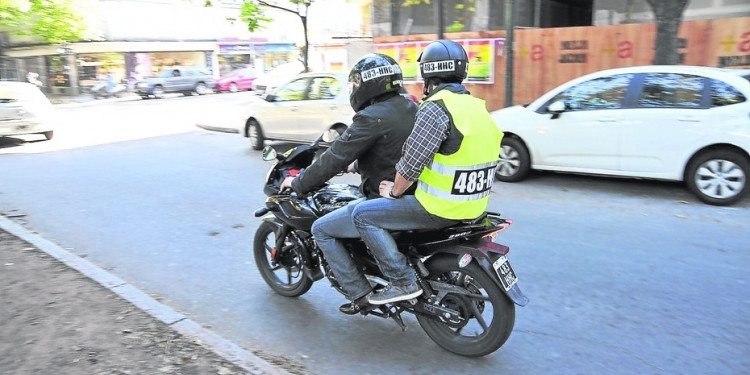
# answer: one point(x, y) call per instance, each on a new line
point(507, 277)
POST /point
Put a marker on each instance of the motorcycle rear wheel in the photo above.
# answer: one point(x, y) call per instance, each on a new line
point(470, 337)
point(286, 276)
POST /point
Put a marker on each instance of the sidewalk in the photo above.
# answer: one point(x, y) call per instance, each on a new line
point(87, 98)
point(63, 315)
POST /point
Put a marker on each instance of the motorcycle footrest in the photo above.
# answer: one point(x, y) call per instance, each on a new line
point(377, 310)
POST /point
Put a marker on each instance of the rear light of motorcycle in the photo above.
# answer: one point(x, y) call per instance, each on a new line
point(501, 227)
point(293, 172)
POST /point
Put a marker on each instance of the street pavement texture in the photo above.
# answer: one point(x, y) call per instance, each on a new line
point(63, 315)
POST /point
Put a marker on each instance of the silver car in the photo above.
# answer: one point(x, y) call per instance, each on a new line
point(185, 80)
point(24, 110)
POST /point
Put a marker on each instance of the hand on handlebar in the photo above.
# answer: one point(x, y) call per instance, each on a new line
point(286, 185)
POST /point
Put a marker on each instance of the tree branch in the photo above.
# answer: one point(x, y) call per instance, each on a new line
point(261, 2)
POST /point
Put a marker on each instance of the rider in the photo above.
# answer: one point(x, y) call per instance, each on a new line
point(452, 153)
point(370, 146)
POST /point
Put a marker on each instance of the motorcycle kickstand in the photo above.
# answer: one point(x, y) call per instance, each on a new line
point(396, 315)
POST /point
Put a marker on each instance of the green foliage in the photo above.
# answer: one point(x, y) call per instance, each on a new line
point(252, 14)
point(455, 27)
point(55, 21)
point(408, 3)
point(464, 10)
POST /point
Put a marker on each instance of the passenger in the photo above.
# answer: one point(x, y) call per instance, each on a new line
point(451, 154)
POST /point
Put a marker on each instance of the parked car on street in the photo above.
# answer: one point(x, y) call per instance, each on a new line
point(237, 80)
point(681, 123)
point(266, 83)
point(299, 110)
point(24, 110)
point(176, 79)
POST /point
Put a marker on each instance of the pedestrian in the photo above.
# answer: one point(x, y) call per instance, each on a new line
point(451, 155)
point(371, 145)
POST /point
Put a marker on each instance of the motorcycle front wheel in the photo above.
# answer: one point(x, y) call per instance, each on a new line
point(280, 268)
point(486, 318)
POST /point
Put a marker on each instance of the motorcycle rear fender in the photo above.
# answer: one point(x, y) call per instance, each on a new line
point(485, 254)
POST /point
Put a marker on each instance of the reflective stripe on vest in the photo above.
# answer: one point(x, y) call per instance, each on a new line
point(458, 186)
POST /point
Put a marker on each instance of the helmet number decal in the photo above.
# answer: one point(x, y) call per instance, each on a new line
point(439, 66)
point(469, 182)
point(380, 71)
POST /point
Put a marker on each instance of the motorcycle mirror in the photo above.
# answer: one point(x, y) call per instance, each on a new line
point(330, 135)
point(269, 153)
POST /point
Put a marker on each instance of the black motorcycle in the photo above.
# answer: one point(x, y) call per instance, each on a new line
point(469, 286)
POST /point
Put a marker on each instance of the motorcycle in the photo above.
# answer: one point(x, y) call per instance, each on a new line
point(470, 288)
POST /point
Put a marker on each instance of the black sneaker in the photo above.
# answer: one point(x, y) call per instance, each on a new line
point(355, 306)
point(393, 293)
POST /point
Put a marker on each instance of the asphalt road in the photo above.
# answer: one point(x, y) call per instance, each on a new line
point(624, 276)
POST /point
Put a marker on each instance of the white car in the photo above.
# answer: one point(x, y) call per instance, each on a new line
point(299, 110)
point(24, 110)
point(267, 82)
point(681, 123)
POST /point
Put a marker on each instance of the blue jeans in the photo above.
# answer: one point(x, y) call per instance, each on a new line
point(327, 230)
point(374, 218)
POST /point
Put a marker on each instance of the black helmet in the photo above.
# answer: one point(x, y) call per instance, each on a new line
point(373, 75)
point(444, 59)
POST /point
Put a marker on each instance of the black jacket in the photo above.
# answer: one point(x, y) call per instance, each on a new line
point(374, 140)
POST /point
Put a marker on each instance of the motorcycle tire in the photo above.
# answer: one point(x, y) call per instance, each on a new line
point(469, 337)
point(287, 277)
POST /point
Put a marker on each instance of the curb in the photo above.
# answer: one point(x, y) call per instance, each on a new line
point(219, 345)
point(217, 128)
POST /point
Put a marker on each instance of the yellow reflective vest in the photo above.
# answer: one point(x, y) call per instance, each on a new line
point(457, 186)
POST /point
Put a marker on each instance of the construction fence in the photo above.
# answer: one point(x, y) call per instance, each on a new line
point(546, 58)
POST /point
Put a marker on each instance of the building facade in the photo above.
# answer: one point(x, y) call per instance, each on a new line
point(411, 17)
point(140, 38)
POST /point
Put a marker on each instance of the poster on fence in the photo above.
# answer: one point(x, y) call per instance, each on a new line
point(481, 54)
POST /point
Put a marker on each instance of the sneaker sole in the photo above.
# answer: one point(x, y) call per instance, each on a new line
point(396, 299)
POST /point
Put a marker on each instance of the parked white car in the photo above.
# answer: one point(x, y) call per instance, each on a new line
point(299, 110)
point(24, 110)
point(682, 123)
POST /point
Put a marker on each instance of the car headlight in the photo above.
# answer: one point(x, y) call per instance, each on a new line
point(142, 85)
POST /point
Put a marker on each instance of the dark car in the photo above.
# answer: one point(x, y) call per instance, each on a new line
point(185, 80)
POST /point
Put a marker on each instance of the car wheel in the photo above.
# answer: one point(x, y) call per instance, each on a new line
point(233, 87)
point(718, 177)
point(255, 134)
point(515, 161)
point(48, 134)
point(158, 92)
point(201, 88)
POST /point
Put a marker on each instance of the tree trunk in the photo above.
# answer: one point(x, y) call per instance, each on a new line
point(307, 44)
point(668, 15)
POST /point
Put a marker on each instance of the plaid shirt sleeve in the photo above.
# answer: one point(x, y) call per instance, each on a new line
point(430, 130)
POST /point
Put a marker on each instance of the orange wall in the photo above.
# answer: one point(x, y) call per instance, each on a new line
point(546, 58)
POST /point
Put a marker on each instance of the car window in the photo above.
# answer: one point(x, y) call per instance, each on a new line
point(723, 94)
point(671, 90)
point(598, 93)
point(294, 90)
point(188, 72)
point(324, 88)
